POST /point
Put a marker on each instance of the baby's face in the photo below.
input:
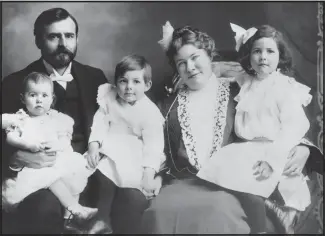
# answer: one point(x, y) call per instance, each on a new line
point(38, 98)
point(131, 87)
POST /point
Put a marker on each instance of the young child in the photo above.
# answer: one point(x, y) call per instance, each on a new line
point(38, 128)
point(126, 143)
point(271, 121)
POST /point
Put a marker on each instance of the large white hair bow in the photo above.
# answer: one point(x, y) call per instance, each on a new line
point(242, 35)
point(167, 36)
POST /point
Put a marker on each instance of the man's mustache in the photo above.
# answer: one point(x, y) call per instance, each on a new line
point(63, 50)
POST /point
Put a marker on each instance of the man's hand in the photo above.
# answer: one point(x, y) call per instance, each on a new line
point(297, 159)
point(36, 147)
point(54, 146)
point(262, 170)
point(35, 160)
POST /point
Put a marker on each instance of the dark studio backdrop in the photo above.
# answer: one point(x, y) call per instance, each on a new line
point(110, 30)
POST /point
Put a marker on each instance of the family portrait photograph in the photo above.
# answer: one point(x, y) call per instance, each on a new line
point(162, 117)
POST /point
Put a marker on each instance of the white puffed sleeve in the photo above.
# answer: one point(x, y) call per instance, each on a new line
point(153, 139)
point(97, 129)
point(14, 122)
point(101, 117)
point(293, 121)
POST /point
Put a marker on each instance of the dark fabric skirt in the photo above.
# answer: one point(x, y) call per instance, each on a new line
point(194, 206)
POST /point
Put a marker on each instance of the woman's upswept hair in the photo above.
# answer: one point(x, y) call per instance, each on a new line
point(265, 31)
point(188, 35)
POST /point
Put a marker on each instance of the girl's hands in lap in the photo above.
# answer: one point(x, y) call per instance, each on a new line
point(297, 159)
point(150, 185)
point(262, 170)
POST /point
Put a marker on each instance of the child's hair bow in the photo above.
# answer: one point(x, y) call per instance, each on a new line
point(242, 35)
point(167, 36)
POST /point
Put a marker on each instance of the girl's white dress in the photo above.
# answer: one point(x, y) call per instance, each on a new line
point(130, 136)
point(270, 117)
point(69, 166)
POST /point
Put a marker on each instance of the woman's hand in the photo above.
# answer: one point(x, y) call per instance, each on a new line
point(297, 159)
point(33, 160)
point(262, 170)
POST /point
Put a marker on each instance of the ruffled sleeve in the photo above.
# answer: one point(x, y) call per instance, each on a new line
point(101, 118)
point(293, 121)
point(153, 137)
point(299, 91)
point(104, 94)
point(243, 80)
point(20, 116)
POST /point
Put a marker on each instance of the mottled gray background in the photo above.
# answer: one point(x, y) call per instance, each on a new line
point(111, 30)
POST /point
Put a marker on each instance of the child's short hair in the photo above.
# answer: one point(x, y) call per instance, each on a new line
point(266, 31)
point(188, 35)
point(36, 77)
point(133, 62)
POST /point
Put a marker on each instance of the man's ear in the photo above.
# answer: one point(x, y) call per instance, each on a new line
point(22, 98)
point(147, 86)
point(38, 42)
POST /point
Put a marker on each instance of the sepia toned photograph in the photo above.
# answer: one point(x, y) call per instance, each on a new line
point(162, 117)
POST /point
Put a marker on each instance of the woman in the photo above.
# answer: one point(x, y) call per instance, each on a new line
point(199, 120)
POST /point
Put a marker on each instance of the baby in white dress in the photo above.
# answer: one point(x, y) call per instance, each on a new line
point(39, 128)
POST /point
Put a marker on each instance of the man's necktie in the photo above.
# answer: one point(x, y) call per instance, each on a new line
point(63, 78)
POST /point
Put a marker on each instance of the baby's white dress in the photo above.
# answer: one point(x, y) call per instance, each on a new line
point(270, 117)
point(70, 166)
point(130, 137)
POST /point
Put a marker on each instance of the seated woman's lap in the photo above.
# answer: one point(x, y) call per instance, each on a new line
point(194, 206)
point(128, 207)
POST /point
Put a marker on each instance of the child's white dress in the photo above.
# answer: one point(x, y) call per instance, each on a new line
point(130, 136)
point(270, 116)
point(70, 166)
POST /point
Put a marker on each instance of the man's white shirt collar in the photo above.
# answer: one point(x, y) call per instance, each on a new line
point(55, 76)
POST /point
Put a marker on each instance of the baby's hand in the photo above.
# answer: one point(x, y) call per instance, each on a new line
point(263, 170)
point(36, 147)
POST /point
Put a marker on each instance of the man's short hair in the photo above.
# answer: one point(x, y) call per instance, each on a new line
point(48, 17)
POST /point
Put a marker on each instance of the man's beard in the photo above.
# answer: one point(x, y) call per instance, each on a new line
point(60, 58)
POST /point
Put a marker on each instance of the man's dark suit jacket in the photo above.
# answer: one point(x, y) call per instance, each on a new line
point(88, 78)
